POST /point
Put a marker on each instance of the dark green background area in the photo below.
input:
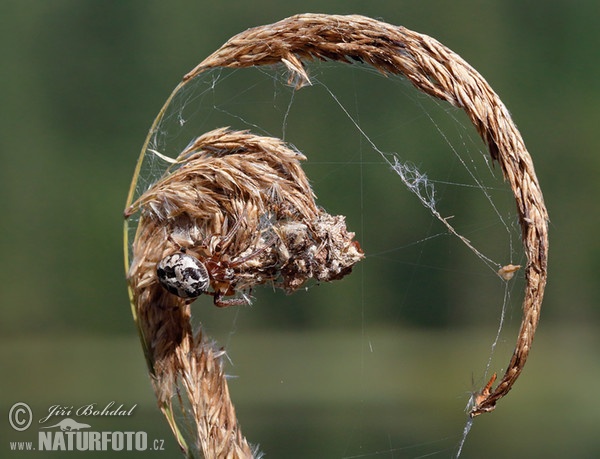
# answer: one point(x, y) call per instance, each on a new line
point(377, 365)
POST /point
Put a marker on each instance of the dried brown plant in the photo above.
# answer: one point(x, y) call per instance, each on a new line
point(243, 204)
point(296, 241)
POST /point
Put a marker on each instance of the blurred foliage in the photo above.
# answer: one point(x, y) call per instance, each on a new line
point(81, 83)
point(83, 80)
point(403, 397)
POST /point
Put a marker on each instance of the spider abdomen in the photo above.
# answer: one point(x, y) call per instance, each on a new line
point(183, 275)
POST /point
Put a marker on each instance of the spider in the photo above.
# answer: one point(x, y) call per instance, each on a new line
point(189, 277)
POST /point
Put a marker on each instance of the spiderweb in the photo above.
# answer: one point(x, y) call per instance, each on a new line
point(456, 221)
point(436, 222)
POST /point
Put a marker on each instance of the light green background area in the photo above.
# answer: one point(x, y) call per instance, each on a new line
point(378, 365)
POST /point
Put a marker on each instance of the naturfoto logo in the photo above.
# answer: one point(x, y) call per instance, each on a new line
point(70, 438)
point(70, 434)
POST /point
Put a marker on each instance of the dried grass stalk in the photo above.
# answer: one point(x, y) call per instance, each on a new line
point(243, 203)
point(436, 70)
point(244, 198)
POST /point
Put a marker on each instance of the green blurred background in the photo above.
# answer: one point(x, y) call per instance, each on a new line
point(380, 364)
